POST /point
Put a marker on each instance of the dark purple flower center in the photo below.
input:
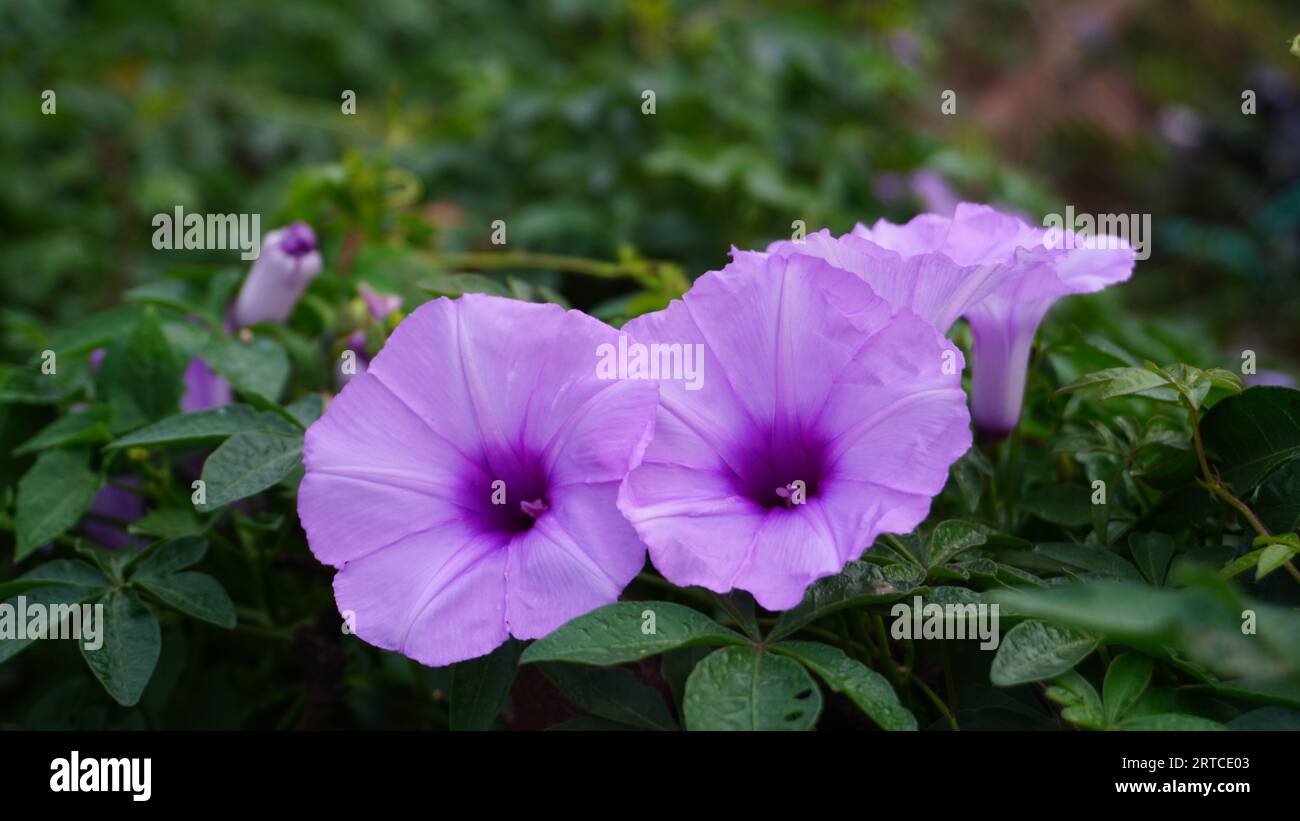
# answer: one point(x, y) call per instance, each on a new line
point(298, 239)
point(515, 497)
point(782, 474)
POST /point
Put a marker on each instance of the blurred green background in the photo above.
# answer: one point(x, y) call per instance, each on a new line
point(471, 111)
point(474, 110)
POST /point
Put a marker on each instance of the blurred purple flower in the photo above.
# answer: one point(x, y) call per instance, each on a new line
point(934, 192)
point(112, 510)
point(379, 304)
point(991, 267)
point(204, 388)
point(465, 485)
point(1032, 276)
point(289, 260)
point(1270, 378)
point(346, 370)
point(825, 419)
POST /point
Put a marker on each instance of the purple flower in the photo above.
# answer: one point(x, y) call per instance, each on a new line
point(1036, 267)
point(204, 388)
point(1274, 378)
point(825, 419)
point(929, 284)
point(934, 192)
point(380, 305)
point(289, 260)
point(112, 510)
point(465, 485)
point(347, 368)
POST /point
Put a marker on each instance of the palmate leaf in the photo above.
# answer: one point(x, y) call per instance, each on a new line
point(206, 426)
point(60, 582)
point(866, 688)
point(246, 464)
point(857, 584)
point(1251, 435)
point(1034, 651)
point(1126, 679)
point(629, 631)
point(195, 594)
point(52, 496)
point(131, 644)
point(745, 688)
point(1171, 383)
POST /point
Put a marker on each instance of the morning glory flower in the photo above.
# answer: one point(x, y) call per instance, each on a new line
point(1036, 268)
point(927, 283)
point(204, 388)
point(465, 485)
point(825, 419)
point(288, 261)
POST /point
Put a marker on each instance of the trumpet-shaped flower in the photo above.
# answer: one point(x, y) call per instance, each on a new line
point(1041, 267)
point(1002, 274)
point(825, 419)
point(465, 484)
point(288, 261)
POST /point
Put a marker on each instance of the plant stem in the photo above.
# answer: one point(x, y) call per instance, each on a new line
point(1215, 486)
point(938, 702)
point(648, 272)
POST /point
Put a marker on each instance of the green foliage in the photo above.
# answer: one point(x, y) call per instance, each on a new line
point(1138, 530)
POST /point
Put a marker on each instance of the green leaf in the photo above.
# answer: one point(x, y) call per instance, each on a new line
point(1094, 559)
point(1241, 564)
point(857, 584)
point(1127, 678)
point(60, 582)
point(54, 493)
point(260, 366)
point(1267, 719)
point(1066, 505)
point(1112, 610)
point(132, 641)
point(1035, 650)
point(166, 523)
point(1113, 382)
point(628, 631)
point(306, 409)
point(140, 376)
point(206, 426)
point(1082, 705)
point(612, 693)
point(1152, 552)
point(247, 464)
point(479, 687)
point(171, 555)
point(743, 688)
point(1278, 552)
point(969, 472)
point(196, 594)
point(98, 330)
point(1165, 722)
point(110, 562)
point(1278, 503)
point(1252, 434)
point(30, 385)
point(864, 686)
point(86, 428)
point(952, 538)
